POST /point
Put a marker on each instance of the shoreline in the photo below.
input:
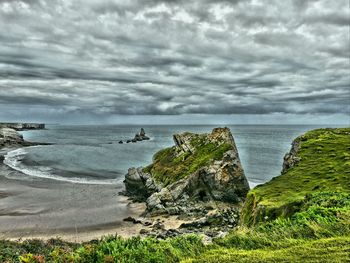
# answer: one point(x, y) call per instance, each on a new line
point(125, 229)
point(121, 228)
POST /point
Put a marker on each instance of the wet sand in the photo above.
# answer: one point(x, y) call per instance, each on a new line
point(33, 207)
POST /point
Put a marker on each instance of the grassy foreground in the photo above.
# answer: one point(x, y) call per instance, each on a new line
point(316, 228)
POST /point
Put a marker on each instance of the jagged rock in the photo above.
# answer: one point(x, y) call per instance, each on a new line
point(139, 185)
point(10, 137)
point(140, 136)
point(120, 142)
point(290, 159)
point(220, 178)
point(142, 132)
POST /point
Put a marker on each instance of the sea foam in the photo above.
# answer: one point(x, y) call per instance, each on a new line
point(14, 159)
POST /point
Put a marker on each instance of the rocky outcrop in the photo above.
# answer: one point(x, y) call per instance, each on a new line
point(23, 126)
point(200, 168)
point(12, 138)
point(141, 136)
point(290, 159)
point(139, 185)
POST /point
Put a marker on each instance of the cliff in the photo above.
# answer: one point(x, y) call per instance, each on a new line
point(9, 137)
point(319, 161)
point(23, 126)
point(199, 168)
point(12, 138)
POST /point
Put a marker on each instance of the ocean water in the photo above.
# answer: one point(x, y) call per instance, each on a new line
point(92, 154)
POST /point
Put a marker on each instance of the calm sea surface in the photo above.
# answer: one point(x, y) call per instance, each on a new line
point(92, 154)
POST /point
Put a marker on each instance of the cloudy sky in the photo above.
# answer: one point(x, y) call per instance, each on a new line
point(237, 61)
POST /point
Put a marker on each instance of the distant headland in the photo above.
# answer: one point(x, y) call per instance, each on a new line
point(18, 126)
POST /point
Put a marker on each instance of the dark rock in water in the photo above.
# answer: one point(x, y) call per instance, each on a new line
point(128, 141)
point(142, 132)
point(140, 136)
point(120, 142)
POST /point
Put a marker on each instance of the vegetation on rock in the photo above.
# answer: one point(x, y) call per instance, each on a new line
point(169, 165)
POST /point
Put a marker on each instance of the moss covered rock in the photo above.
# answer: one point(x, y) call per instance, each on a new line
point(199, 167)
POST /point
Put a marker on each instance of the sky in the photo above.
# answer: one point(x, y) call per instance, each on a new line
point(175, 61)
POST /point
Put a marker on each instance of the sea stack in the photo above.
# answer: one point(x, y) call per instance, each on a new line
point(140, 136)
point(199, 169)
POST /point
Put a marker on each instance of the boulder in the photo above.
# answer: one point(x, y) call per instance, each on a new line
point(138, 185)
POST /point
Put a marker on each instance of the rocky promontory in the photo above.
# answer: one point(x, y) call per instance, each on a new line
point(12, 138)
point(22, 126)
point(200, 177)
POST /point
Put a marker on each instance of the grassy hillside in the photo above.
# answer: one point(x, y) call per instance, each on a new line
point(320, 232)
point(324, 166)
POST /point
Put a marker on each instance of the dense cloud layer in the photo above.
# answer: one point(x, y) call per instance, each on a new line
point(106, 58)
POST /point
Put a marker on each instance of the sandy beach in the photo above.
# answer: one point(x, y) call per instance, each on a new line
point(33, 208)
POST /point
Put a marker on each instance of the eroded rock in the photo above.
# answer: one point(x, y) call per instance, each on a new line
point(209, 170)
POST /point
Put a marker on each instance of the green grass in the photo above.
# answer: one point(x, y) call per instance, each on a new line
point(330, 250)
point(109, 249)
point(168, 166)
point(324, 166)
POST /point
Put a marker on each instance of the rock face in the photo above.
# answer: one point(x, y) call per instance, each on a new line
point(291, 158)
point(10, 137)
point(139, 185)
point(200, 168)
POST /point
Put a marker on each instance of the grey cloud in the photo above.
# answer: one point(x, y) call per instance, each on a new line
point(106, 58)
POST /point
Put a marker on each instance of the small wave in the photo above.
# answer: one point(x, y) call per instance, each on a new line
point(253, 184)
point(14, 160)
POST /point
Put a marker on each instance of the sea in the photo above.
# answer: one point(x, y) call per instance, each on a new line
point(73, 184)
point(88, 154)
